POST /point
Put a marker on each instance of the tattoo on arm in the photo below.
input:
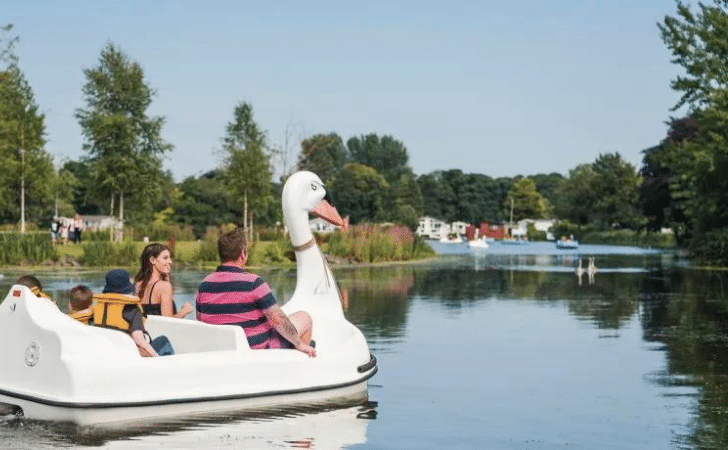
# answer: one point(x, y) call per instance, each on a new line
point(285, 327)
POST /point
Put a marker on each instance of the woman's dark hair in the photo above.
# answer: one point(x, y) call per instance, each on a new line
point(145, 271)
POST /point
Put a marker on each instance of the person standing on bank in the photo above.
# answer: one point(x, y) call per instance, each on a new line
point(77, 228)
point(232, 296)
point(153, 283)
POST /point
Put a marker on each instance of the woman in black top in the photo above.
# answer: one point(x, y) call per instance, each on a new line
point(152, 283)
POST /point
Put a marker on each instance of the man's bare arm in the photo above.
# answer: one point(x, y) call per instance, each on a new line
point(280, 321)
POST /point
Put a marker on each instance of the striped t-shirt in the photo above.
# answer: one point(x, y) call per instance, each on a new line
point(232, 296)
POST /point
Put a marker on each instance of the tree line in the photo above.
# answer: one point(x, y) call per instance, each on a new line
point(681, 183)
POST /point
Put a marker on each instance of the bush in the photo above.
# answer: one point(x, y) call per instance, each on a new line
point(17, 247)
point(711, 248)
point(372, 243)
point(162, 232)
point(630, 237)
point(534, 234)
point(105, 254)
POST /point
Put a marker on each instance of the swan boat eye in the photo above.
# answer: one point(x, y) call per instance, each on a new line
point(313, 186)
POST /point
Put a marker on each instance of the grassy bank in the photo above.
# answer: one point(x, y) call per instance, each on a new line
point(363, 244)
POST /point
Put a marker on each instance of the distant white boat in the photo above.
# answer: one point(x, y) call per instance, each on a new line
point(478, 243)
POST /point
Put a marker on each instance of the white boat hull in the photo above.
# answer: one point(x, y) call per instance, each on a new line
point(55, 368)
point(98, 414)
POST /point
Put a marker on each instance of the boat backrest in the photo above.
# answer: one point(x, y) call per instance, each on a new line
point(109, 307)
point(191, 336)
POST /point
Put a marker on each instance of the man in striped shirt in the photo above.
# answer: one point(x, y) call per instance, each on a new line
point(232, 296)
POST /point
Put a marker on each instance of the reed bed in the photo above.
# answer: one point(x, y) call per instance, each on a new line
point(370, 243)
point(17, 248)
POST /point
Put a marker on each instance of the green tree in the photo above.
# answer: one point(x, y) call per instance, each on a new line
point(547, 185)
point(246, 170)
point(83, 199)
point(385, 154)
point(525, 200)
point(655, 198)
point(617, 184)
point(408, 203)
point(697, 166)
point(27, 180)
point(124, 144)
point(473, 198)
point(204, 202)
point(359, 192)
point(603, 194)
point(576, 196)
point(323, 154)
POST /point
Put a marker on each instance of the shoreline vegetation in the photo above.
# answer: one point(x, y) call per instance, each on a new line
point(366, 244)
point(363, 244)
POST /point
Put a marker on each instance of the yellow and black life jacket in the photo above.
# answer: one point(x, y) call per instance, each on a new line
point(109, 307)
point(82, 316)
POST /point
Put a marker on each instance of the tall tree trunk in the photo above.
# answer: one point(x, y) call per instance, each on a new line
point(121, 206)
point(111, 211)
point(245, 209)
point(250, 228)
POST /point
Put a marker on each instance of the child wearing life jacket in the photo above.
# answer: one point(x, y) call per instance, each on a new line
point(118, 284)
point(80, 301)
point(35, 287)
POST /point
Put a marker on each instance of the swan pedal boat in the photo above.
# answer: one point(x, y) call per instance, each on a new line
point(55, 368)
point(567, 244)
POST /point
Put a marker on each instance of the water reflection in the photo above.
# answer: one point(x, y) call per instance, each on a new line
point(301, 427)
point(641, 328)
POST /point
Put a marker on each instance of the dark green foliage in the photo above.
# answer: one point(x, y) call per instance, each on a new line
point(534, 234)
point(323, 154)
point(359, 191)
point(548, 184)
point(603, 194)
point(711, 248)
point(693, 160)
point(385, 154)
point(203, 202)
point(525, 200)
point(473, 198)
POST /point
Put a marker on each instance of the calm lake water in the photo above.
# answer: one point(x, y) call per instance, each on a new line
point(503, 348)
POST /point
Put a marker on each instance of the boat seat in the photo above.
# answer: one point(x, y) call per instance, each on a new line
point(191, 336)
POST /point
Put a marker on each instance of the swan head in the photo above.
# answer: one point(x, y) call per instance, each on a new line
point(304, 193)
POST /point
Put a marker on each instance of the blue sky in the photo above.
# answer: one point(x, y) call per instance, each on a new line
point(493, 87)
